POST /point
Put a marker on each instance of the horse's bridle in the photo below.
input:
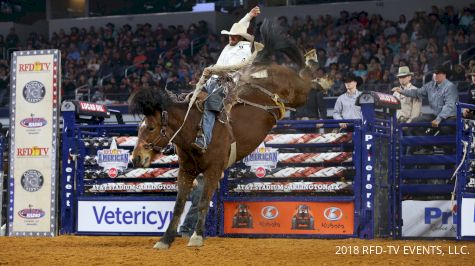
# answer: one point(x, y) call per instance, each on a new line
point(163, 134)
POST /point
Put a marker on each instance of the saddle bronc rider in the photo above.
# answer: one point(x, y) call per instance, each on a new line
point(237, 51)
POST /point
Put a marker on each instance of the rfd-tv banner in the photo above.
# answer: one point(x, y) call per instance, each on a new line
point(35, 98)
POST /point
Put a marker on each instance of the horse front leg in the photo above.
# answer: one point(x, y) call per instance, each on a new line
point(211, 180)
point(185, 183)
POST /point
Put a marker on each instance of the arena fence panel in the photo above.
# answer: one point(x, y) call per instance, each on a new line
point(426, 164)
point(297, 183)
point(3, 188)
point(305, 184)
point(319, 182)
point(101, 191)
point(424, 186)
point(465, 173)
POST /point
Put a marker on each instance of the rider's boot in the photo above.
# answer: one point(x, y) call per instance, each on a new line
point(200, 143)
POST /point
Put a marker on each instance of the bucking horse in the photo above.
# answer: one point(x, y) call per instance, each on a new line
point(263, 92)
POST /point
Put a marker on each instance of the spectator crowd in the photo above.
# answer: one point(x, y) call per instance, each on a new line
point(111, 62)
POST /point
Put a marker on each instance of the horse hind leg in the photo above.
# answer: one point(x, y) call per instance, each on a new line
point(185, 183)
point(210, 185)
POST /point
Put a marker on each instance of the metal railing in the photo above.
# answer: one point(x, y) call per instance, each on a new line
point(464, 52)
point(81, 91)
point(193, 42)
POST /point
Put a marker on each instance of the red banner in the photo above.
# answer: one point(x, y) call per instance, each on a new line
point(319, 218)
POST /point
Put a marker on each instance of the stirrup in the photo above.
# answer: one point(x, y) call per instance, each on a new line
point(198, 145)
point(223, 117)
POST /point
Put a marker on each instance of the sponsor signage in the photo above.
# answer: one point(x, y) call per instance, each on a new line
point(468, 217)
point(34, 91)
point(33, 125)
point(34, 67)
point(33, 122)
point(368, 173)
point(113, 159)
point(261, 160)
point(87, 108)
point(35, 98)
point(133, 187)
point(289, 187)
point(34, 151)
point(126, 216)
point(294, 218)
point(388, 100)
point(428, 219)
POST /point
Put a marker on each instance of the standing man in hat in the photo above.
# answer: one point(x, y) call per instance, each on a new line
point(345, 106)
point(442, 96)
point(410, 107)
point(237, 51)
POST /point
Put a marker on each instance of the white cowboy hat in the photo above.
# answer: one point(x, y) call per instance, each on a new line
point(239, 29)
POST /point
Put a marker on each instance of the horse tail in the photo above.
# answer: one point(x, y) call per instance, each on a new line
point(276, 40)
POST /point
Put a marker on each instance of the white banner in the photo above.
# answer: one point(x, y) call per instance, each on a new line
point(35, 98)
point(468, 217)
point(428, 219)
point(126, 216)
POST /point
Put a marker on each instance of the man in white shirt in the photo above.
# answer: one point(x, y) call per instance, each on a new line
point(410, 107)
point(237, 51)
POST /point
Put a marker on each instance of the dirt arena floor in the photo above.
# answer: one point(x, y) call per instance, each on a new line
point(93, 250)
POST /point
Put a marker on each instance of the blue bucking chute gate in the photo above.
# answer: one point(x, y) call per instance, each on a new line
point(308, 179)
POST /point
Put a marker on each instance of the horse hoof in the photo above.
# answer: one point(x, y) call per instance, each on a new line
point(161, 245)
point(195, 241)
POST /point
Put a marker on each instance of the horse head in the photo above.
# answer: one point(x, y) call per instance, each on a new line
point(153, 133)
point(152, 136)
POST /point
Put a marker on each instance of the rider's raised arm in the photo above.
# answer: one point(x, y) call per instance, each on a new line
point(248, 17)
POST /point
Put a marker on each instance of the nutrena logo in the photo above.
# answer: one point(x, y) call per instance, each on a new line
point(140, 217)
point(31, 213)
point(33, 122)
point(34, 67)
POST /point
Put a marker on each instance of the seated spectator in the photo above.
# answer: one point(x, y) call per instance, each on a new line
point(410, 106)
point(442, 96)
point(471, 93)
point(465, 18)
point(361, 71)
point(374, 70)
point(4, 85)
point(12, 40)
point(345, 106)
point(338, 87)
point(332, 58)
point(402, 23)
point(315, 107)
point(458, 73)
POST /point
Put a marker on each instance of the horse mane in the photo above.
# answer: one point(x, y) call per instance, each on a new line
point(147, 101)
point(276, 40)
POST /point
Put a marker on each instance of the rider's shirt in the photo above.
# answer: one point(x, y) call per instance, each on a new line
point(232, 55)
